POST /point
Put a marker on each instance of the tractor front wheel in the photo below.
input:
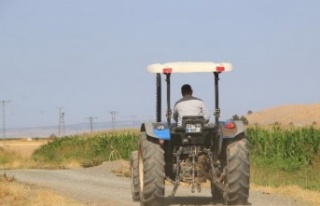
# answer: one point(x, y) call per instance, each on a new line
point(134, 176)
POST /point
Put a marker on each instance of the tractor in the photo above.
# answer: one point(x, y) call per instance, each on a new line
point(193, 153)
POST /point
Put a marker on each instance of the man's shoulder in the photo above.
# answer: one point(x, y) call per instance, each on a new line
point(180, 100)
point(187, 98)
point(196, 98)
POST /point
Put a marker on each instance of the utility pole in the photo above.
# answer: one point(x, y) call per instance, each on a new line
point(61, 121)
point(113, 116)
point(4, 120)
point(91, 123)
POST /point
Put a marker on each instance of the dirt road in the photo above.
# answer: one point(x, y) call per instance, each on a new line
point(100, 186)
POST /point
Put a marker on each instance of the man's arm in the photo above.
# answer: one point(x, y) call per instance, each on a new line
point(175, 113)
point(205, 112)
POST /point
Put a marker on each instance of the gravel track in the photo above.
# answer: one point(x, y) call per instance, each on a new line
point(100, 186)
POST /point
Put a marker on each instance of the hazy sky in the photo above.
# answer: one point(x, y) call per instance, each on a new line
point(89, 57)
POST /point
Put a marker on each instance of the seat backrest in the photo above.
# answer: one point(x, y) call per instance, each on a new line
point(192, 120)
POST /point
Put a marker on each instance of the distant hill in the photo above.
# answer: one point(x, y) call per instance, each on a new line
point(70, 129)
point(298, 115)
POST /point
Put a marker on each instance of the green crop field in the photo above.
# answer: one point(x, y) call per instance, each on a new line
point(278, 156)
point(285, 156)
point(286, 149)
point(89, 149)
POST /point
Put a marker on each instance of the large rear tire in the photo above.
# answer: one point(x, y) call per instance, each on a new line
point(134, 176)
point(151, 172)
point(237, 173)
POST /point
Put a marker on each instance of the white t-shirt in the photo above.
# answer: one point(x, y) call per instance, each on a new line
point(189, 106)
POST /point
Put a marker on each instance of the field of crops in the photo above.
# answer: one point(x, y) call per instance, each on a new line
point(278, 156)
point(88, 149)
point(284, 148)
point(285, 156)
point(291, 147)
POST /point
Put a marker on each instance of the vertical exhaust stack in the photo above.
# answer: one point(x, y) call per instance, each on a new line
point(169, 112)
point(158, 101)
point(216, 88)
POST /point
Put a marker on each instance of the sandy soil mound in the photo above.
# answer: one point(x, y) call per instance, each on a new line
point(298, 115)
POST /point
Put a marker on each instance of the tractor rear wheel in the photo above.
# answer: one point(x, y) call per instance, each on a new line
point(237, 172)
point(151, 172)
point(134, 176)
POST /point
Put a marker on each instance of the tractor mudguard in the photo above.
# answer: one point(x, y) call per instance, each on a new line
point(156, 130)
point(230, 133)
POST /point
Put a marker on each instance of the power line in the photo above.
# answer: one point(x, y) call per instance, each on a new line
point(91, 122)
point(4, 120)
point(113, 116)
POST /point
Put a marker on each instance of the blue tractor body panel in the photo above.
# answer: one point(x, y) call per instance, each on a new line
point(156, 130)
point(162, 134)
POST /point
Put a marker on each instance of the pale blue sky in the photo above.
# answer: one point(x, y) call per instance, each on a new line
point(90, 56)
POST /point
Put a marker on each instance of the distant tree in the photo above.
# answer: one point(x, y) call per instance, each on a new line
point(249, 112)
point(235, 117)
point(242, 118)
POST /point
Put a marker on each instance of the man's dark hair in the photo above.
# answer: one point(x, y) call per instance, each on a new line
point(186, 89)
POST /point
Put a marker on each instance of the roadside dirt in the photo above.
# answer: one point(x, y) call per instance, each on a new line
point(100, 186)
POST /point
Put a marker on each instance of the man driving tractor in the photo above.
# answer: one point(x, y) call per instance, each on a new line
point(189, 105)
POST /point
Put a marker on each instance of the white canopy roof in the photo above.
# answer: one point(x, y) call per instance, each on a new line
point(189, 67)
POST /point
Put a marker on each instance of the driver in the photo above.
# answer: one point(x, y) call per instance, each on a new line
point(189, 106)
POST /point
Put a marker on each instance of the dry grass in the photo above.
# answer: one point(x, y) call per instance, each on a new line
point(294, 192)
point(22, 146)
point(15, 154)
point(14, 194)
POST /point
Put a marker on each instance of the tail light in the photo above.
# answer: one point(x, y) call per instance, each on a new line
point(230, 125)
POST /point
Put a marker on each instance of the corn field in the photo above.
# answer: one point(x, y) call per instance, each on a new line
point(292, 147)
point(89, 149)
point(284, 148)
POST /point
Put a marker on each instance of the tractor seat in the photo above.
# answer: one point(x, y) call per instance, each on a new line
point(192, 120)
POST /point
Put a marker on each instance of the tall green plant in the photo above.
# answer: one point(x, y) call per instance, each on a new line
point(288, 148)
point(91, 149)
